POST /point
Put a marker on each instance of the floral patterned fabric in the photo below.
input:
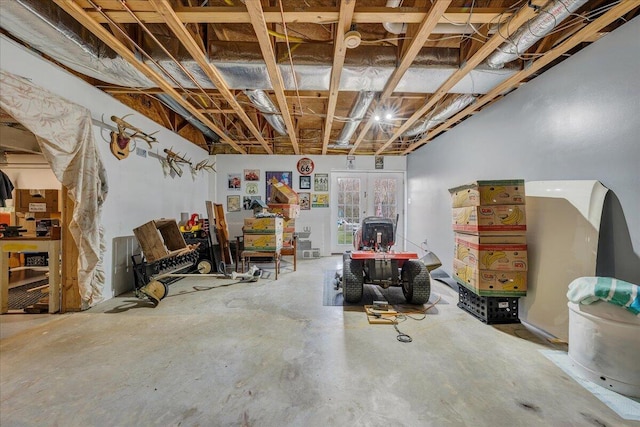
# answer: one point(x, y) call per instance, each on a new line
point(65, 134)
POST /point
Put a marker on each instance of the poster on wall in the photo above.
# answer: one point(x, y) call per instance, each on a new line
point(320, 200)
point(321, 182)
point(379, 162)
point(305, 183)
point(304, 199)
point(234, 181)
point(276, 176)
point(233, 203)
point(252, 174)
point(351, 162)
point(247, 200)
point(251, 188)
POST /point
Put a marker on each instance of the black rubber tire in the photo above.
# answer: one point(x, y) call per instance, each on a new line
point(416, 283)
point(352, 280)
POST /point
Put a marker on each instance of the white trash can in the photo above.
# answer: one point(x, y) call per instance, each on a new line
point(604, 345)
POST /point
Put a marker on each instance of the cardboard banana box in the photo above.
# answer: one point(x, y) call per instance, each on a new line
point(490, 282)
point(486, 193)
point(263, 225)
point(287, 211)
point(502, 253)
point(289, 225)
point(490, 220)
point(263, 242)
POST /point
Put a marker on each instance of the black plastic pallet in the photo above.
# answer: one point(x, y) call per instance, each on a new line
point(490, 310)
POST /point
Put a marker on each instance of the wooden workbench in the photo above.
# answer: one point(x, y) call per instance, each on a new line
point(30, 244)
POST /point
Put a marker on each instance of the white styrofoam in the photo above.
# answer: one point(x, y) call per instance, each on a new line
point(563, 223)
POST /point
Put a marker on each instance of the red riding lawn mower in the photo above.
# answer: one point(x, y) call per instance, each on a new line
point(373, 262)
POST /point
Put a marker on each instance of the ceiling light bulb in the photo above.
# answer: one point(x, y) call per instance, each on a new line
point(376, 118)
point(389, 116)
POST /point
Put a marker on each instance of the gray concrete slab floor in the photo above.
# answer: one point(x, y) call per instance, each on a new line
point(270, 354)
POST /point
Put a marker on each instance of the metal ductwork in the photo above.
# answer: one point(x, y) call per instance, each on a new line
point(358, 110)
point(395, 27)
point(179, 109)
point(442, 114)
point(48, 29)
point(57, 34)
point(45, 27)
point(268, 109)
point(525, 37)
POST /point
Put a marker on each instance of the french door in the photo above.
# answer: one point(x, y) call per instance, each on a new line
point(357, 195)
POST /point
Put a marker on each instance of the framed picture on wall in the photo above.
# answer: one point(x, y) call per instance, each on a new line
point(233, 203)
point(276, 176)
point(234, 181)
point(304, 199)
point(252, 174)
point(321, 182)
point(305, 182)
point(320, 200)
point(252, 188)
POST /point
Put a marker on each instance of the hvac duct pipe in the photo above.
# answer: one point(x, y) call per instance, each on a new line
point(270, 112)
point(358, 110)
point(394, 27)
point(179, 109)
point(441, 115)
point(532, 31)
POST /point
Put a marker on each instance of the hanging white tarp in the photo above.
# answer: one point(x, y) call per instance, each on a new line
point(64, 131)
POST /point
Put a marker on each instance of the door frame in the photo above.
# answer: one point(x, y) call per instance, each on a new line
point(368, 175)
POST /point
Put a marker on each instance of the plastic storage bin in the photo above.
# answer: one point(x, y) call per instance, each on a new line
point(490, 310)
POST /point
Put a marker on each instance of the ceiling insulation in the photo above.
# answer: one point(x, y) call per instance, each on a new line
point(278, 77)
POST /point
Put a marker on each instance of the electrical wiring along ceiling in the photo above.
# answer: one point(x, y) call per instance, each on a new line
point(310, 76)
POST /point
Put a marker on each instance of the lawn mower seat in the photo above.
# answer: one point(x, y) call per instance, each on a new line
point(375, 233)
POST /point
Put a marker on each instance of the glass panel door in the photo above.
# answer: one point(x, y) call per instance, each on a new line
point(348, 192)
point(359, 195)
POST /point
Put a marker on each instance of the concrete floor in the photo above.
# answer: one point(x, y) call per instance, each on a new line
point(270, 354)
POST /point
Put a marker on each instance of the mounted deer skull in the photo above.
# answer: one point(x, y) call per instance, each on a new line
point(120, 140)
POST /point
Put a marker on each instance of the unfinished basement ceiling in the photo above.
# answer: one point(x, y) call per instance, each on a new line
point(377, 77)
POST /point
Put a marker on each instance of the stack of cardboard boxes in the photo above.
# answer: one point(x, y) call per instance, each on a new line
point(285, 203)
point(263, 234)
point(490, 251)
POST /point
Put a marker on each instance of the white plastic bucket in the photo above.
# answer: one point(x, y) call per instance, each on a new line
point(604, 345)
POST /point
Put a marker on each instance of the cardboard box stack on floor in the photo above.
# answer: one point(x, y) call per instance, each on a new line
point(263, 234)
point(285, 203)
point(490, 251)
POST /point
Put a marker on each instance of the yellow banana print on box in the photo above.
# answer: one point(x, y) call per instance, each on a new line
point(488, 258)
point(463, 252)
point(491, 196)
point(515, 217)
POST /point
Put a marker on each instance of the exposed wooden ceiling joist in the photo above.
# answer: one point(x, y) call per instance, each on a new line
point(420, 35)
point(235, 48)
point(272, 15)
point(262, 32)
point(81, 16)
point(339, 52)
point(164, 8)
point(581, 36)
point(522, 16)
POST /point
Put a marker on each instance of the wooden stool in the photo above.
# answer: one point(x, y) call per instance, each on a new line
point(247, 255)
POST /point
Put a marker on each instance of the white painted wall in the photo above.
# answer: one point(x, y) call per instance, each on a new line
point(579, 120)
point(317, 218)
point(139, 190)
point(29, 171)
